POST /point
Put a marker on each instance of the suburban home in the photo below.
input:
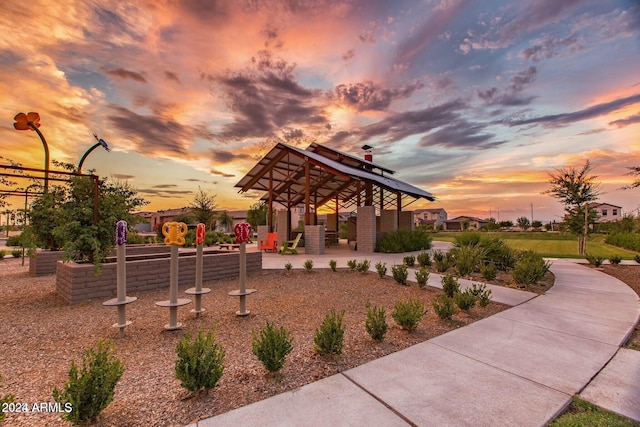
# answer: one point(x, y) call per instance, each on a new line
point(435, 217)
point(153, 219)
point(606, 212)
point(462, 223)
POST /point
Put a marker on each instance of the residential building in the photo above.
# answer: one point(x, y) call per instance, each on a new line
point(462, 223)
point(606, 212)
point(435, 216)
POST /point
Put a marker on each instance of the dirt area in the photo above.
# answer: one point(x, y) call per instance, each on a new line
point(629, 274)
point(41, 335)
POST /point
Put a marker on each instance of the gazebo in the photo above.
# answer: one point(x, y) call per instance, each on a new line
point(321, 176)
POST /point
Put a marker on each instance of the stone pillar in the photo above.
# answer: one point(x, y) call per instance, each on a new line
point(388, 221)
point(262, 234)
point(314, 239)
point(366, 229)
point(406, 220)
point(283, 226)
point(332, 219)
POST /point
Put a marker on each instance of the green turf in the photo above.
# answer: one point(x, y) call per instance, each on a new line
point(584, 414)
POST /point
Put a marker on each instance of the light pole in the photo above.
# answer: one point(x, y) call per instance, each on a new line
point(101, 142)
point(32, 121)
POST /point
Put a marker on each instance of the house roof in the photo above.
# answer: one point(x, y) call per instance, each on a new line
point(596, 204)
point(332, 174)
point(466, 218)
point(430, 210)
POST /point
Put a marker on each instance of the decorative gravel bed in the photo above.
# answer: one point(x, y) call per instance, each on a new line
point(40, 335)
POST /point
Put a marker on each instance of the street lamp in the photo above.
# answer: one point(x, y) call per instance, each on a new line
point(101, 142)
point(32, 121)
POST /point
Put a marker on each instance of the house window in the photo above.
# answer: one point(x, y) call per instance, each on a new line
point(614, 212)
point(604, 212)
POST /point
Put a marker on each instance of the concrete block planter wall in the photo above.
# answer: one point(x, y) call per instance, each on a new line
point(76, 282)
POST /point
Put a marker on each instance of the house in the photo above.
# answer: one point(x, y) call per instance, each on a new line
point(606, 212)
point(434, 217)
point(154, 219)
point(462, 223)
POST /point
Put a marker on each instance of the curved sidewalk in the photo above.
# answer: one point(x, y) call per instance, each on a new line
point(519, 367)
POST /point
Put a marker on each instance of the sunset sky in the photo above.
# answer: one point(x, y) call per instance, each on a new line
point(473, 101)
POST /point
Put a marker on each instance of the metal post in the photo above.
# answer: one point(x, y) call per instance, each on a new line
point(198, 291)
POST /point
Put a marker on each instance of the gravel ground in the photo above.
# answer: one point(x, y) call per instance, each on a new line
point(40, 335)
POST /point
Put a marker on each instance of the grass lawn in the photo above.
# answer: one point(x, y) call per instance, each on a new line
point(582, 414)
point(551, 245)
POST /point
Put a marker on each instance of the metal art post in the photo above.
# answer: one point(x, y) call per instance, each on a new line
point(243, 233)
point(198, 291)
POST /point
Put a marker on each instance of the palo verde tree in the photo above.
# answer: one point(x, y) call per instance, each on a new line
point(575, 188)
point(203, 206)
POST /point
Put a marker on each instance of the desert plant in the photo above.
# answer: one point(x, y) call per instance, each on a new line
point(489, 271)
point(381, 268)
point(2, 253)
point(482, 294)
point(444, 307)
point(288, 266)
point(422, 276)
point(200, 363)
point(424, 259)
point(352, 264)
point(5, 400)
point(16, 253)
point(594, 260)
point(468, 258)
point(333, 264)
point(363, 266)
point(330, 335)
point(400, 274)
point(409, 260)
point(308, 265)
point(465, 300)
point(442, 261)
point(450, 285)
point(90, 389)
point(272, 345)
point(404, 241)
point(615, 260)
point(376, 324)
point(408, 314)
point(530, 268)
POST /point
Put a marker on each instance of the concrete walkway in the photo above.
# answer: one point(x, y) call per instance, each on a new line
point(520, 367)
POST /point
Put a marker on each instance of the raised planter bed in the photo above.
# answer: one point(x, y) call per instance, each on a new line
point(77, 282)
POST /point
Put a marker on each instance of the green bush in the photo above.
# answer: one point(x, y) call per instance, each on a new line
point(409, 260)
point(363, 266)
point(376, 324)
point(2, 253)
point(468, 258)
point(424, 259)
point(7, 398)
point(272, 345)
point(308, 264)
point(408, 314)
point(352, 264)
point(442, 261)
point(444, 307)
point(629, 241)
point(594, 260)
point(450, 285)
point(465, 300)
point(400, 274)
point(288, 266)
point(422, 276)
point(90, 389)
point(329, 336)
point(530, 268)
point(489, 271)
point(381, 268)
point(404, 241)
point(637, 259)
point(200, 363)
point(333, 264)
point(14, 241)
point(615, 260)
point(482, 294)
point(16, 253)
point(468, 238)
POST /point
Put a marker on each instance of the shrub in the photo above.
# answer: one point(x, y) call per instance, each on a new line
point(352, 264)
point(332, 265)
point(482, 294)
point(443, 261)
point(90, 389)
point(308, 264)
point(530, 268)
point(381, 268)
point(288, 266)
point(409, 260)
point(404, 241)
point(14, 241)
point(16, 253)
point(594, 260)
point(422, 276)
point(6, 399)
point(363, 266)
point(624, 240)
point(450, 285)
point(400, 274)
point(2, 253)
point(489, 271)
point(376, 324)
point(468, 238)
point(272, 345)
point(408, 314)
point(200, 363)
point(637, 258)
point(465, 300)
point(424, 259)
point(444, 307)
point(468, 258)
point(615, 260)
point(330, 336)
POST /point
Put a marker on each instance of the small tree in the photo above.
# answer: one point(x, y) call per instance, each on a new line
point(575, 188)
point(203, 205)
point(257, 214)
point(224, 219)
point(633, 171)
point(523, 222)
